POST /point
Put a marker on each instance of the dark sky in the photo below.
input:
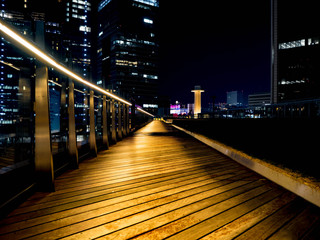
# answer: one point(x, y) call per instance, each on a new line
point(220, 45)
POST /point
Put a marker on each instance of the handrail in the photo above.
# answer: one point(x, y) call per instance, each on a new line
point(111, 107)
point(44, 58)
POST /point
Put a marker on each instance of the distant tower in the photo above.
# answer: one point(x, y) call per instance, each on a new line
point(197, 99)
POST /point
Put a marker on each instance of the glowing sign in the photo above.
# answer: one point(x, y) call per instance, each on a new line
point(175, 107)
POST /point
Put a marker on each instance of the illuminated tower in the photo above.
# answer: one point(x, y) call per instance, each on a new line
point(197, 99)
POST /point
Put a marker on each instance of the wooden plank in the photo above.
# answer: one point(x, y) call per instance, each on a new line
point(73, 224)
point(43, 209)
point(248, 220)
point(298, 226)
point(99, 186)
point(313, 233)
point(162, 215)
point(272, 223)
point(161, 184)
point(151, 194)
point(221, 218)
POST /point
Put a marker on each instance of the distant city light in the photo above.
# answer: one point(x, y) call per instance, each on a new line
point(147, 20)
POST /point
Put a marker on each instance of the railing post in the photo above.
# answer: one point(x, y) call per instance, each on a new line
point(105, 139)
point(113, 121)
point(133, 115)
point(72, 138)
point(119, 121)
point(128, 119)
point(92, 137)
point(43, 152)
point(125, 133)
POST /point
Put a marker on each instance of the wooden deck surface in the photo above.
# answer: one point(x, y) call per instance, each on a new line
point(162, 184)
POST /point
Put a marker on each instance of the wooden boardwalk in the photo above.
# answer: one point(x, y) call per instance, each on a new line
point(162, 184)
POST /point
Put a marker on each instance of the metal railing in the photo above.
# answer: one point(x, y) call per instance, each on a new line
point(41, 139)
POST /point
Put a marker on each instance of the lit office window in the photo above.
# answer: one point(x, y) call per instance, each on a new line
point(313, 41)
point(147, 20)
point(103, 4)
point(293, 44)
point(154, 3)
point(85, 29)
point(126, 63)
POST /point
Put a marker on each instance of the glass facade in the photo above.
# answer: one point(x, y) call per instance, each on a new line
point(77, 35)
point(296, 51)
point(128, 49)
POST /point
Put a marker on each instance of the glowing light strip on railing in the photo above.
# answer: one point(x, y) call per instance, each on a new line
point(53, 63)
point(10, 65)
point(145, 112)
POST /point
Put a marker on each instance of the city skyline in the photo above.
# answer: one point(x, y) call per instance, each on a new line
point(226, 48)
point(222, 47)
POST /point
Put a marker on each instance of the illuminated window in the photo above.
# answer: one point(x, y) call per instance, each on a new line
point(103, 4)
point(313, 41)
point(154, 3)
point(150, 106)
point(147, 20)
point(85, 29)
point(126, 63)
point(293, 44)
point(150, 76)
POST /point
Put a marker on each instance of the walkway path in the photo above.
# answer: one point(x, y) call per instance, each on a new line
point(159, 184)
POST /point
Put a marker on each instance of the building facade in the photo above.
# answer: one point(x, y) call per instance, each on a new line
point(235, 98)
point(128, 49)
point(295, 51)
point(259, 99)
point(77, 35)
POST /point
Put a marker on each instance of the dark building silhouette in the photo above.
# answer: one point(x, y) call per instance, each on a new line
point(295, 50)
point(128, 49)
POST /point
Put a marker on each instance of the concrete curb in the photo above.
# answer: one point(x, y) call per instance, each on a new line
point(301, 186)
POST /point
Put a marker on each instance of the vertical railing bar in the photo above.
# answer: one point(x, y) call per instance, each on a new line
point(43, 149)
point(92, 136)
point(119, 121)
point(124, 121)
point(72, 138)
point(105, 139)
point(113, 121)
point(128, 120)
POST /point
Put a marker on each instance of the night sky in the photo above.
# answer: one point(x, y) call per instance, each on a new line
point(220, 45)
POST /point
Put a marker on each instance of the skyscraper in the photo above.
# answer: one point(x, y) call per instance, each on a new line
point(77, 35)
point(128, 49)
point(295, 51)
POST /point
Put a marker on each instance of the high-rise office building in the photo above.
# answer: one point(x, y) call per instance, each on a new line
point(67, 34)
point(77, 35)
point(128, 49)
point(295, 50)
point(235, 98)
point(15, 92)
